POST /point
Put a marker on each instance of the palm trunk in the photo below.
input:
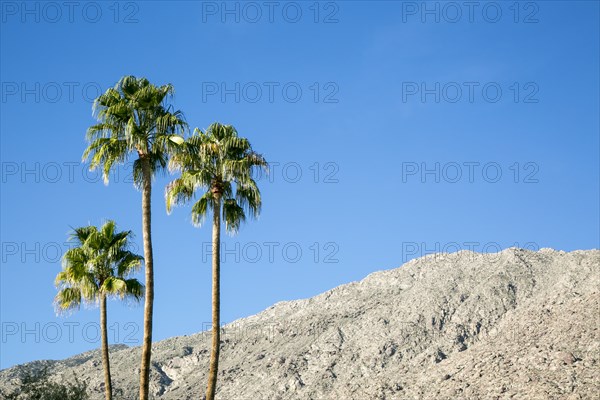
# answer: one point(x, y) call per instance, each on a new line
point(149, 296)
point(105, 360)
point(216, 320)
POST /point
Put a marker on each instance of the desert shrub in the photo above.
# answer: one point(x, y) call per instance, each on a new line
point(36, 385)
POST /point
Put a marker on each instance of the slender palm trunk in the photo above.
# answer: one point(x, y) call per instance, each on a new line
point(216, 319)
point(105, 360)
point(149, 296)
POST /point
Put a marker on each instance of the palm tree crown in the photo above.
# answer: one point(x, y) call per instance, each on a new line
point(221, 163)
point(98, 265)
point(134, 117)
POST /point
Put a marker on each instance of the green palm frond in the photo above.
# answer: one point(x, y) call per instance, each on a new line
point(98, 264)
point(221, 164)
point(128, 263)
point(201, 207)
point(233, 215)
point(179, 191)
point(134, 289)
point(114, 286)
point(134, 117)
point(68, 298)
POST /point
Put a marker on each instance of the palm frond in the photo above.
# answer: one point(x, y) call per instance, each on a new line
point(219, 162)
point(68, 298)
point(134, 116)
point(99, 263)
point(135, 289)
point(201, 207)
point(233, 215)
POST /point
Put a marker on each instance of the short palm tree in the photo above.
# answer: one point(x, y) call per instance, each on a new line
point(94, 269)
point(135, 117)
point(220, 163)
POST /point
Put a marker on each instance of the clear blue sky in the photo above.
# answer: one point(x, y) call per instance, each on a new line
point(394, 131)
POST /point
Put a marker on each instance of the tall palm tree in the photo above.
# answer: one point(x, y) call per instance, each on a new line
point(97, 268)
point(135, 117)
point(220, 163)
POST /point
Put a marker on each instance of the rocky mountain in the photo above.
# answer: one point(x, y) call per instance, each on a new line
point(517, 324)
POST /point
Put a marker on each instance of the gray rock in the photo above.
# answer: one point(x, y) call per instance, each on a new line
point(515, 324)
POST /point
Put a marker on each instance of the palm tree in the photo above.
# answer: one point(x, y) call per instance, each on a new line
point(220, 163)
point(135, 117)
point(97, 268)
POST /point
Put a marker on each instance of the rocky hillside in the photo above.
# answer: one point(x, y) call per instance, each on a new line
point(512, 325)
